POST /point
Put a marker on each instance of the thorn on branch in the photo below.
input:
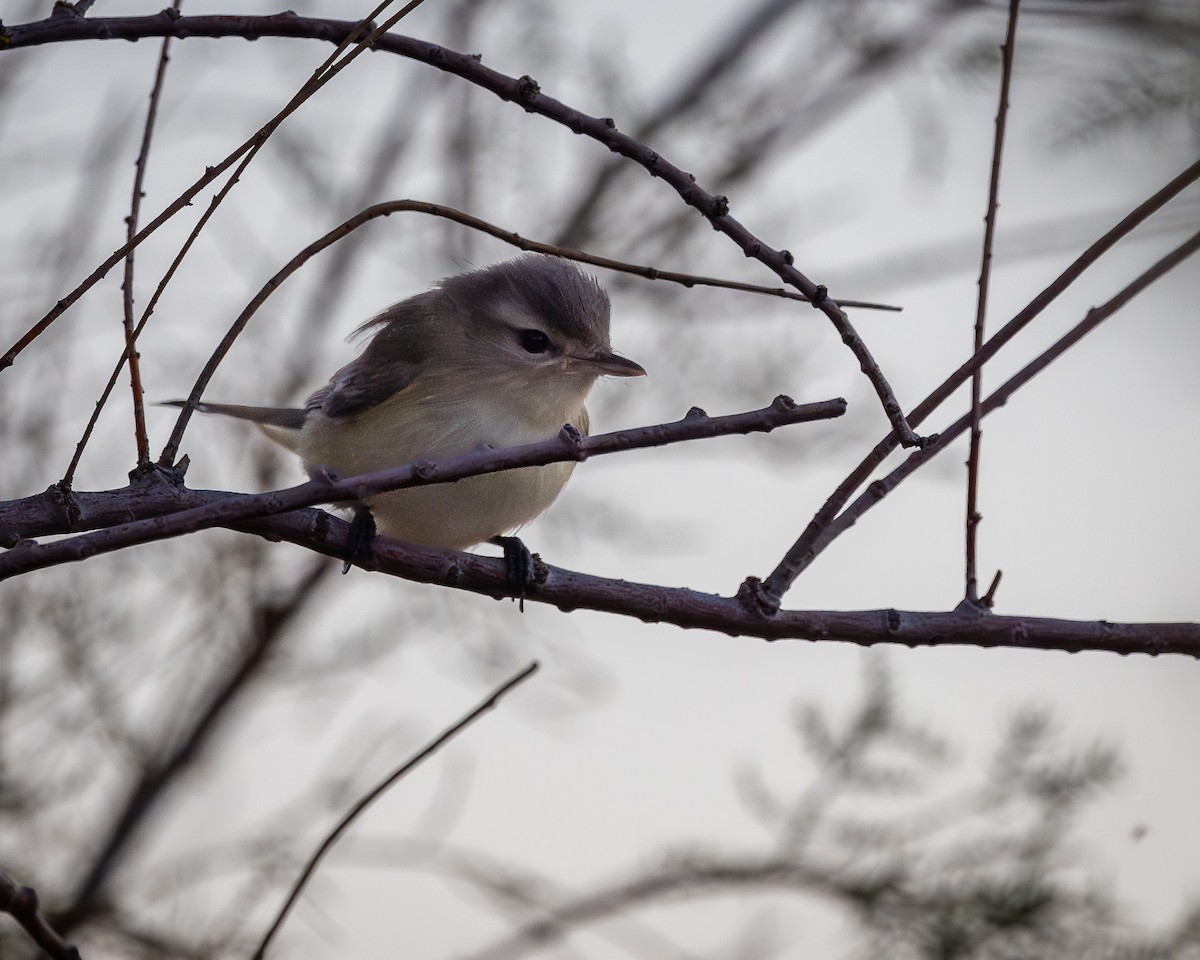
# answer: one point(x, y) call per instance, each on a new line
point(570, 435)
point(65, 502)
point(527, 89)
point(147, 473)
point(755, 598)
point(989, 598)
point(974, 607)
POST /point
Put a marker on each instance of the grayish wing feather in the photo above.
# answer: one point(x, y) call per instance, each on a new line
point(388, 364)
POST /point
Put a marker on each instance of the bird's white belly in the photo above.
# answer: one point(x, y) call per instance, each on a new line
point(455, 515)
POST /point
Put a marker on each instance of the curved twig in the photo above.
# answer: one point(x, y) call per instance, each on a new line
point(378, 210)
point(378, 790)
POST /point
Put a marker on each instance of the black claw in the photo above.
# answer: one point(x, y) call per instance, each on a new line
point(359, 540)
point(519, 567)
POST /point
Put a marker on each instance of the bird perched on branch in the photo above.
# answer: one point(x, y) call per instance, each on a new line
point(502, 356)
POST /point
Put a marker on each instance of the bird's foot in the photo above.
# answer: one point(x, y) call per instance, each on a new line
point(359, 540)
point(520, 568)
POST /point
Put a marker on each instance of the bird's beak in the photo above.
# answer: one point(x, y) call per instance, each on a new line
point(607, 363)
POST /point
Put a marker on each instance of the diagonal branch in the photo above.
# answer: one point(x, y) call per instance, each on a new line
point(99, 28)
point(1097, 315)
point(802, 552)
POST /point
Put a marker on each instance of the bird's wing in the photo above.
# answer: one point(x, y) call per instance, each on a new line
point(390, 362)
point(360, 385)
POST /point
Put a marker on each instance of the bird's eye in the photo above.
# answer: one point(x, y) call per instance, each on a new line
point(534, 341)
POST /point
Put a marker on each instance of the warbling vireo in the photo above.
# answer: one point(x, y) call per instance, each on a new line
point(504, 355)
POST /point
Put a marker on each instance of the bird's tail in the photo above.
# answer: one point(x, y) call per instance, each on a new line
point(281, 424)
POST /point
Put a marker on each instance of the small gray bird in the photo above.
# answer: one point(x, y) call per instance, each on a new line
point(504, 355)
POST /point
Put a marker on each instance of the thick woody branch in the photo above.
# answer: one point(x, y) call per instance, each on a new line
point(568, 590)
point(237, 508)
point(521, 90)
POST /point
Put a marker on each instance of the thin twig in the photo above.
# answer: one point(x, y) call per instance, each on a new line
point(437, 210)
point(803, 552)
point(167, 457)
point(881, 488)
point(21, 903)
point(971, 591)
point(131, 353)
point(568, 445)
point(135, 206)
point(379, 789)
point(524, 91)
